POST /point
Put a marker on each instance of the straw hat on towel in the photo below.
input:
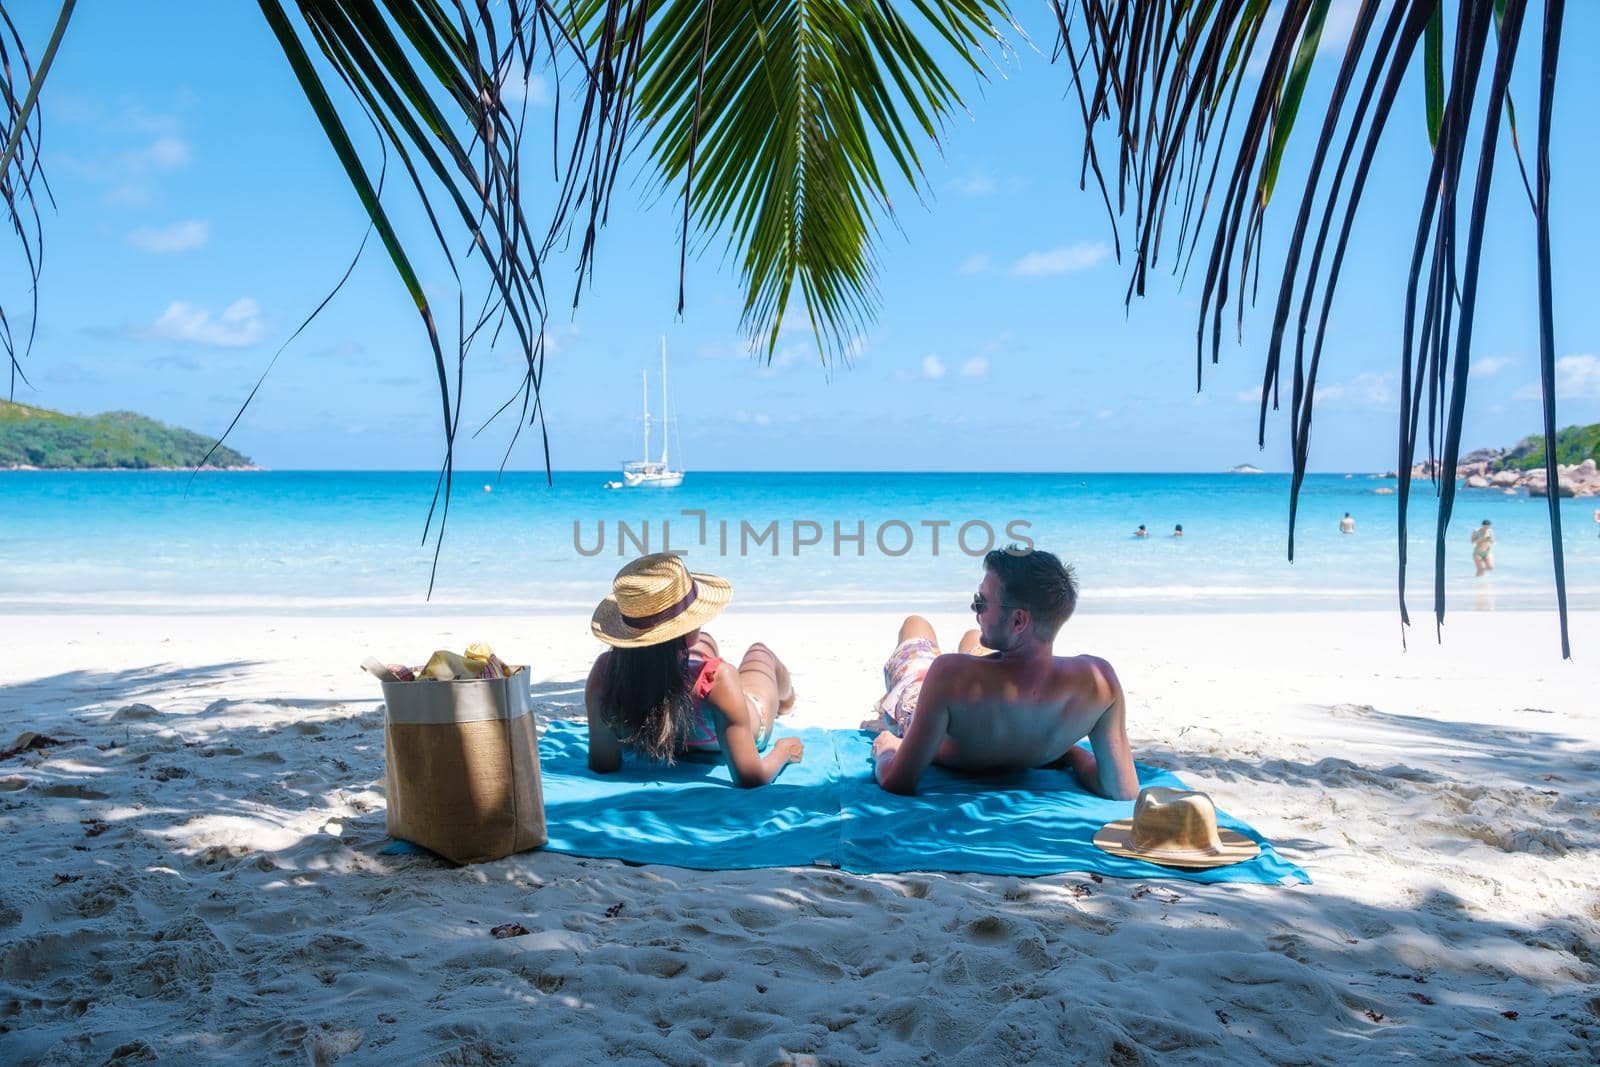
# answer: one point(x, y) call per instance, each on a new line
point(1175, 828)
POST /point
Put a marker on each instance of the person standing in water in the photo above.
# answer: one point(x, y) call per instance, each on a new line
point(1347, 525)
point(1483, 549)
point(1177, 531)
point(1142, 532)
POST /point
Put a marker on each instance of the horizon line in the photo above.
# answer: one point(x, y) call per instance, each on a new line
point(433, 471)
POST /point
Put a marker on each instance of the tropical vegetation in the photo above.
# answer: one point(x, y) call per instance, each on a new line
point(1573, 445)
point(50, 440)
point(784, 127)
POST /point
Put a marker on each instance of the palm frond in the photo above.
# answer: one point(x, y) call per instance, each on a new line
point(1554, 14)
point(772, 117)
point(21, 128)
point(427, 74)
point(1160, 106)
point(421, 71)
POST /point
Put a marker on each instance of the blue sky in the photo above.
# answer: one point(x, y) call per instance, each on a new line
point(201, 216)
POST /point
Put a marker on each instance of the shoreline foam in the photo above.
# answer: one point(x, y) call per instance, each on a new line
point(1162, 600)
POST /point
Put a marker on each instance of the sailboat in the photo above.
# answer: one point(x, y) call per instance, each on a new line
point(646, 474)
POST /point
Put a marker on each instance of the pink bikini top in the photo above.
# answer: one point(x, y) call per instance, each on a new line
point(706, 677)
point(703, 733)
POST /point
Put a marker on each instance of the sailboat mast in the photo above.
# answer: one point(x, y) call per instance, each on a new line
point(644, 391)
point(666, 425)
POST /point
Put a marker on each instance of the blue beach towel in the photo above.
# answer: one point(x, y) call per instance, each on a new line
point(828, 810)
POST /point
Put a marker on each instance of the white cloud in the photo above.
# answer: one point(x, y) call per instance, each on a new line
point(134, 150)
point(760, 418)
point(786, 355)
point(975, 264)
point(1577, 377)
point(130, 173)
point(136, 119)
point(514, 89)
point(854, 349)
point(130, 194)
point(163, 153)
point(1369, 390)
point(1336, 29)
point(239, 325)
point(1080, 256)
point(179, 237)
point(932, 367)
point(1488, 368)
point(784, 358)
point(976, 367)
point(1341, 19)
point(975, 184)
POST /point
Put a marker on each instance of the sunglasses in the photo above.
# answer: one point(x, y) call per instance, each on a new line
point(981, 605)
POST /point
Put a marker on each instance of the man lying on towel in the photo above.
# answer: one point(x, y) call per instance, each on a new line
point(1005, 701)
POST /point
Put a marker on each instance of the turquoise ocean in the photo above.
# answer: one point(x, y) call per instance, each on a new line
point(352, 542)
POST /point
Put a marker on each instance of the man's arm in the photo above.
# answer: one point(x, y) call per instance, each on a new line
point(899, 762)
point(1109, 770)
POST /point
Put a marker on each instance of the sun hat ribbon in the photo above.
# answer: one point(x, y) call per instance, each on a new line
point(656, 598)
point(640, 622)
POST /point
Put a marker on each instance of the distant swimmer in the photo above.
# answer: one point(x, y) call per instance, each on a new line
point(1347, 525)
point(1142, 532)
point(1483, 548)
point(1177, 531)
point(1597, 520)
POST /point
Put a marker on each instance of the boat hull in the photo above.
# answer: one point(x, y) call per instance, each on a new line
point(663, 480)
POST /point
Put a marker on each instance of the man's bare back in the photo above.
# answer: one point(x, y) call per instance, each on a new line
point(1013, 708)
point(1005, 714)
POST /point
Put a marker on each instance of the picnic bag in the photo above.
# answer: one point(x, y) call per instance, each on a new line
point(461, 766)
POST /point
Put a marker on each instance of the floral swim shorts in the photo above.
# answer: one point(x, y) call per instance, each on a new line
point(902, 677)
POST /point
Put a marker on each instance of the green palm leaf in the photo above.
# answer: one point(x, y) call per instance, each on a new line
point(1216, 56)
point(427, 75)
point(787, 122)
point(19, 163)
point(783, 120)
point(418, 106)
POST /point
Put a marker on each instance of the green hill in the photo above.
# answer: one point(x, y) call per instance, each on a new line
point(36, 437)
point(1573, 445)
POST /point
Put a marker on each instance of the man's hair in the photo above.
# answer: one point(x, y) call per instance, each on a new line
point(1037, 581)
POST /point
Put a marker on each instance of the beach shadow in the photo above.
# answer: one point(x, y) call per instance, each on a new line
point(559, 699)
point(239, 870)
point(71, 692)
point(1527, 752)
point(1307, 977)
point(1542, 776)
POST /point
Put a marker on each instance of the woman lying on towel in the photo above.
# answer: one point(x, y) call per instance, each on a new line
point(661, 689)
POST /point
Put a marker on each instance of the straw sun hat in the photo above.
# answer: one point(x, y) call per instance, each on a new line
point(1175, 828)
point(654, 599)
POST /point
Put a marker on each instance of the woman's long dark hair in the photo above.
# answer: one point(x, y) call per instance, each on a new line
point(647, 699)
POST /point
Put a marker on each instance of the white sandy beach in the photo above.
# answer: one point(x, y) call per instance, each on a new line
point(194, 873)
